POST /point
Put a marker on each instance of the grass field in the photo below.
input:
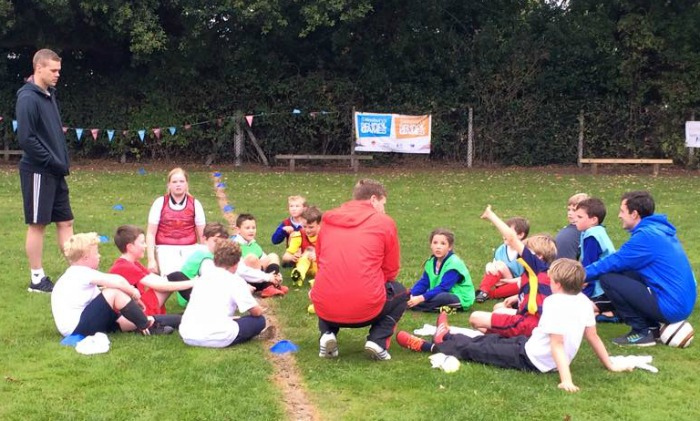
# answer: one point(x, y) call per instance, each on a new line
point(160, 378)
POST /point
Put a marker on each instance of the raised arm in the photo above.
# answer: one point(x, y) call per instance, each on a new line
point(509, 235)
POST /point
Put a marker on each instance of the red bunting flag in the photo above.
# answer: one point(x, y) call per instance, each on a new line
point(1, 118)
point(249, 119)
point(188, 126)
point(65, 130)
point(156, 132)
point(94, 133)
point(125, 133)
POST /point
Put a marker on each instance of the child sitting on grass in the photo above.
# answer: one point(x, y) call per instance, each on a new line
point(536, 254)
point(567, 318)
point(595, 245)
point(259, 269)
point(200, 261)
point(302, 246)
point(500, 280)
point(154, 289)
point(78, 305)
point(295, 206)
point(445, 281)
point(208, 319)
point(568, 238)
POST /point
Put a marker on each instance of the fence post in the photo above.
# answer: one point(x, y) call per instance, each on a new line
point(470, 138)
point(352, 142)
point(691, 151)
point(237, 140)
point(581, 127)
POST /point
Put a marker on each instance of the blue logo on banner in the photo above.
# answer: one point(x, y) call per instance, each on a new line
point(374, 125)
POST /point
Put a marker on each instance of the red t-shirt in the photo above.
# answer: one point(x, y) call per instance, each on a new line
point(133, 272)
point(357, 252)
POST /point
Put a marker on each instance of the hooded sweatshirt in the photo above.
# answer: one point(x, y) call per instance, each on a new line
point(654, 252)
point(357, 252)
point(40, 132)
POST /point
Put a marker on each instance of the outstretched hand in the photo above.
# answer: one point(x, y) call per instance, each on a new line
point(488, 213)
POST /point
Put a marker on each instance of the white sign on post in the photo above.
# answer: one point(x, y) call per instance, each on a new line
point(692, 134)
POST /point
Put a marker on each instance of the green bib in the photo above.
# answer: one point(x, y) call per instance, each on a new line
point(194, 262)
point(464, 289)
point(252, 248)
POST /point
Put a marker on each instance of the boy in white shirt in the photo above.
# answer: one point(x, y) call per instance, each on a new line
point(567, 317)
point(80, 307)
point(208, 319)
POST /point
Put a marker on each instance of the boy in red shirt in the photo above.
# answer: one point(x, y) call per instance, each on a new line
point(154, 289)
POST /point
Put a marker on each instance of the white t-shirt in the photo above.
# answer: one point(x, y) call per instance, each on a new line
point(71, 294)
point(562, 314)
point(157, 207)
point(208, 319)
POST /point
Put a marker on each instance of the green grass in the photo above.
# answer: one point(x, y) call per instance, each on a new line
point(161, 378)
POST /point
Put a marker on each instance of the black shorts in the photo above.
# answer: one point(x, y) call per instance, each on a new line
point(97, 316)
point(45, 198)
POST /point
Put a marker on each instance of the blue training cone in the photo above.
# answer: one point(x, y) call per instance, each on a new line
point(284, 346)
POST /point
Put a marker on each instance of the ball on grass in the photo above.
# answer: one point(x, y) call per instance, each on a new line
point(311, 309)
point(677, 335)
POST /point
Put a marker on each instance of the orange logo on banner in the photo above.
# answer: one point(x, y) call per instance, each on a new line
point(407, 127)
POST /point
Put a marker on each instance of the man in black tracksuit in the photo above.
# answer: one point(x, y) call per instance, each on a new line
point(44, 164)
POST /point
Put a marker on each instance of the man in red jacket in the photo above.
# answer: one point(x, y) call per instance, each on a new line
point(358, 259)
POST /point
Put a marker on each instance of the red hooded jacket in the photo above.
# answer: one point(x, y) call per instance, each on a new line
point(358, 252)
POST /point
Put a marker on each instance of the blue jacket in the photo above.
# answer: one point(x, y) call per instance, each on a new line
point(654, 252)
point(40, 132)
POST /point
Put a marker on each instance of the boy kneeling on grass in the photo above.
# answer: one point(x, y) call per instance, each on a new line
point(80, 307)
point(567, 317)
point(208, 320)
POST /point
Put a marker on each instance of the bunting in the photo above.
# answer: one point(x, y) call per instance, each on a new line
point(158, 131)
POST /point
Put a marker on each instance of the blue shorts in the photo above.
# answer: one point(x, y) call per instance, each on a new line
point(45, 198)
point(98, 316)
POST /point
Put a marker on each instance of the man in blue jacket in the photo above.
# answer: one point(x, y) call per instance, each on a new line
point(44, 164)
point(649, 279)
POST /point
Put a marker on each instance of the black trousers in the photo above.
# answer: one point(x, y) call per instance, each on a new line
point(489, 349)
point(382, 327)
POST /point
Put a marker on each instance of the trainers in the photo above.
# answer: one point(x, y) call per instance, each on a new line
point(447, 309)
point(602, 318)
point(270, 291)
point(157, 329)
point(442, 329)
point(636, 339)
point(376, 352)
point(328, 346)
point(296, 277)
point(408, 341)
point(267, 333)
point(482, 297)
point(44, 286)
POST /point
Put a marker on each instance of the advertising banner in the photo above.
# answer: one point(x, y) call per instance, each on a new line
point(392, 133)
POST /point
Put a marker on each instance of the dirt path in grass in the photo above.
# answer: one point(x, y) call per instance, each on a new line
point(286, 375)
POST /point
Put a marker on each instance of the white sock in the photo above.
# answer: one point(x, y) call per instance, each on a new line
point(37, 275)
